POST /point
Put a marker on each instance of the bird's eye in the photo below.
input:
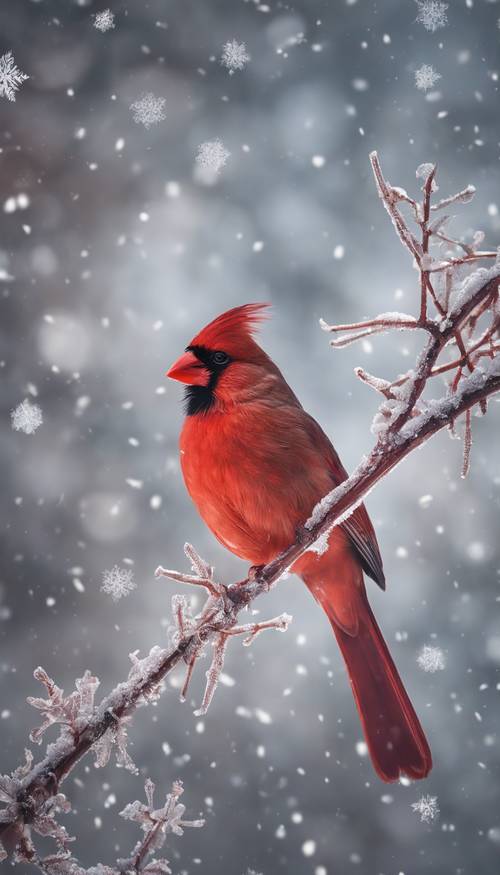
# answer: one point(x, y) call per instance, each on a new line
point(220, 358)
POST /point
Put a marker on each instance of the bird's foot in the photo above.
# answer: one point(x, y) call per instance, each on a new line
point(301, 534)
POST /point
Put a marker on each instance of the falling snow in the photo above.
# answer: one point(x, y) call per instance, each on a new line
point(432, 14)
point(431, 659)
point(118, 582)
point(426, 77)
point(104, 20)
point(212, 156)
point(11, 77)
point(26, 417)
point(234, 56)
point(427, 807)
point(148, 110)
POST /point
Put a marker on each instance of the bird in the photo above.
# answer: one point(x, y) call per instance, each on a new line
point(255, 464)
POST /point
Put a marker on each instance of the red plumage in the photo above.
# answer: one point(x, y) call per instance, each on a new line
point(255, 464)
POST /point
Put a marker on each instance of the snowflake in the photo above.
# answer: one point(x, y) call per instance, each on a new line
point(26, 417)
point(432, 14)
point(426, 77)
point(234, 56)
point(431, 659)
point(118, 582)
point(104, 20)
point(148, 110)
point(212, 156)
point(427, 807)
point(11, 77)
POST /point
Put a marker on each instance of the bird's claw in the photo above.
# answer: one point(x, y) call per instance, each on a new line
point(300, 534)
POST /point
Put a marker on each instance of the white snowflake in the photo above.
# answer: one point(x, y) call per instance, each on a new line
point(148, 110)
point(211, 157)
point(234, 56)
point(26, 417)
point(11, 77)
point(104, 20)
point(426, 77)
point(431, 659)
point(118, 582)
point(427, 807)
point(432, 14)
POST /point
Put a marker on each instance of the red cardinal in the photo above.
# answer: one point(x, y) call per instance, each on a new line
point(255, 464)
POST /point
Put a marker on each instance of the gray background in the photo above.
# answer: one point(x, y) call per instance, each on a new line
point(107, 277)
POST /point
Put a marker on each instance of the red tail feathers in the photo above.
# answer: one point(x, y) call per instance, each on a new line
point(395, 738)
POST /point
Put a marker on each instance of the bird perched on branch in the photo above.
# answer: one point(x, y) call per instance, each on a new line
point(256, 464)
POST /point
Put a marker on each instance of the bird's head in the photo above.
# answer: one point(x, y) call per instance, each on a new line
point(223, 361)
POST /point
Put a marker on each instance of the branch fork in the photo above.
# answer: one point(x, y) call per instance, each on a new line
point(216, 622)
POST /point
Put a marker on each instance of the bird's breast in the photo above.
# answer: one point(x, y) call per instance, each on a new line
point(251, 480)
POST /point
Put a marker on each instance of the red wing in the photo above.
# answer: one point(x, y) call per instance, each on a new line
point(358, 526)
point(360, 530)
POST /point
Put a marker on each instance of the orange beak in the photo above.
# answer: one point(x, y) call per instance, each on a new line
point(188, 369)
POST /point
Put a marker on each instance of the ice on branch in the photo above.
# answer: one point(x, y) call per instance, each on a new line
point(104, 20)
point(156, 823)
point(426, 77)
point(427, 808)
point(452, 312)
point(148, 110)
point(219, 615)
point(118, 582)
point(234, 56)
point(432, 14)
point(116, 737)
point(26, 417)
point(71, 711)
point(42, 818)
point(381, 323)
point(11, 77)
point(431, 659)
point(424, 172)
point(142, 677)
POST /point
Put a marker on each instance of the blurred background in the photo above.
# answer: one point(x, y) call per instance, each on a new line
point(113, 253)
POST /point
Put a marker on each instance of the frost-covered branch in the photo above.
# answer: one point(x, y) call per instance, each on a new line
point(31, 793)
point(459, 302)
point(459, 315)
point(155, 823)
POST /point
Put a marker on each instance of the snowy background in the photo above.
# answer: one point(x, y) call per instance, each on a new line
point(113, 253)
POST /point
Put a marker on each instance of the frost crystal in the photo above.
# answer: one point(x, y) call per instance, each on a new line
point(234, 56)
point(427, 807)
point(426, 77)
point(42, 817)
point(71, 711)
point(155, 823)
point(118, 582)
point(116, 736)
point(211, 157)
point(104, 20)
point(11, 77)
point(431, 659)
point(148, 110)
point(432, 14)
point(26, 417)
